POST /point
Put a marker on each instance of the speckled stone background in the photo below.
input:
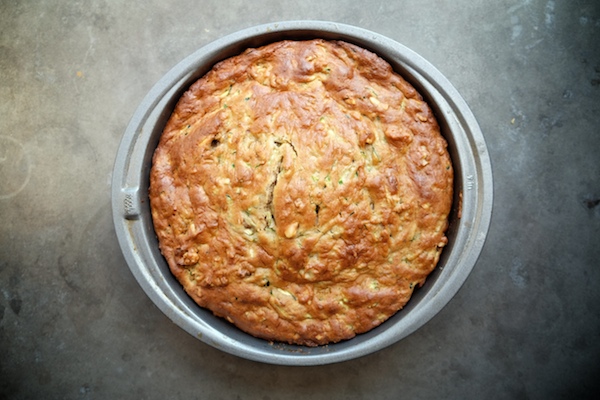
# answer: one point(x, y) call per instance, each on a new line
point(74, 324)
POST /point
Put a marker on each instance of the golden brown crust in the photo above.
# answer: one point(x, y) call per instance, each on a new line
point(301, 191)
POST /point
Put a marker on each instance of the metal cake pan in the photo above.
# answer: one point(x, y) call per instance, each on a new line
point(469, 220)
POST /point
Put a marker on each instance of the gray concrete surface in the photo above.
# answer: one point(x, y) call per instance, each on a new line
point(74, 324)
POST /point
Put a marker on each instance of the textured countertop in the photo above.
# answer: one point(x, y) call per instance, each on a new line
point(74, 323)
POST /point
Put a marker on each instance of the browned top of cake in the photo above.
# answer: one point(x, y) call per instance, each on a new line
point(301, 190)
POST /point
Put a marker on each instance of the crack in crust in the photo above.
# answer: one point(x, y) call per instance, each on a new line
point(272, 222)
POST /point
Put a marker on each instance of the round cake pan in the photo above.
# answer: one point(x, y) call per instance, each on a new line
point(469, 219)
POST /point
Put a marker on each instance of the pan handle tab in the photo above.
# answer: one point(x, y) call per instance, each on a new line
point(130, 201)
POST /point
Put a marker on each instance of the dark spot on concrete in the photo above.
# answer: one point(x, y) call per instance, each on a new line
point(548, 123)
point(101, 21)
point(595, 82)
point(126, 357)
point(2, 308)
point(14, 300)
point(15, 304)
point(591, 203)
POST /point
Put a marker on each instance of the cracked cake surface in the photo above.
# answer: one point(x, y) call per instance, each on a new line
point(301, 190)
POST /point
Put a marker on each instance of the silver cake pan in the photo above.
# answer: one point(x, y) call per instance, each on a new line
point(469, 220)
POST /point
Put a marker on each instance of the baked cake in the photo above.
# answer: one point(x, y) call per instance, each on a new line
point(301, 190)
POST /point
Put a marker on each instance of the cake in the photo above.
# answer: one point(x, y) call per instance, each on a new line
point(301, 191)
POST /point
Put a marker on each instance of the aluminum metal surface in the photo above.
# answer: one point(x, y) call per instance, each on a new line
point(469, 220)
